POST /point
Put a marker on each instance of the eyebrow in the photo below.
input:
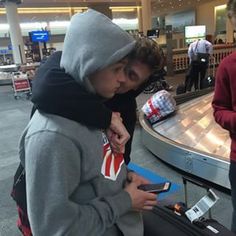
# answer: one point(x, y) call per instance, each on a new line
point(123, 62)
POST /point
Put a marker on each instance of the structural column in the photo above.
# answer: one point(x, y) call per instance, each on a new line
point(229, 32)
point(146, 15)
point(15, 33)
point(140, 19)
point(71, 12)
point(169, 50)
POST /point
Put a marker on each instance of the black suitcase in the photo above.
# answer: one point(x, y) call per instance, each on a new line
point(208, 82)
point(181, 88)
point(163, 221)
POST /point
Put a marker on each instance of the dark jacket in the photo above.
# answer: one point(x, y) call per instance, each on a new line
point(52, 85)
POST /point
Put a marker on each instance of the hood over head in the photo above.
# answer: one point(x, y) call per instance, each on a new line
point(93, 42)
point(56, 92)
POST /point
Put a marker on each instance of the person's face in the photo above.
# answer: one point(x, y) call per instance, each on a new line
point(136, 74)
point(107, 81)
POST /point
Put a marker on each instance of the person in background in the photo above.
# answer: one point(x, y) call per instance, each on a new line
point(199, 52)
point(145, 58)
point(224, 106)
point(220, 41)
point(75, 183)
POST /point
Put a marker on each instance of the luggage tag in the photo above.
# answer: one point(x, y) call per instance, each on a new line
point(202, 206)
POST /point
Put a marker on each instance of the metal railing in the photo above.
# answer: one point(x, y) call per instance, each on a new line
point(181, 60)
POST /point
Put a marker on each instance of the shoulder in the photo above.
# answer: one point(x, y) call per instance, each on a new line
point(229, 59)
point(208, 43)
point(191, 45)
point(227, 66)
point(49, 123)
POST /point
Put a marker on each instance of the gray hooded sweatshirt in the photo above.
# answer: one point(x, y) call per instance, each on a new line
point(74, 183)
point(88, 47)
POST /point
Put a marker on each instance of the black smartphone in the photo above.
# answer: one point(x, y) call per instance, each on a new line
point(155, 188)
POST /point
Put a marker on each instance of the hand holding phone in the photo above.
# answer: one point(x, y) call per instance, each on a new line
point(155, 188)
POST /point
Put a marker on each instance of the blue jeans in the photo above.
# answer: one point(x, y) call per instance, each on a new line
point(232, 179)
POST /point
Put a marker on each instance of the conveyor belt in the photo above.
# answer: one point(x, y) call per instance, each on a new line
point(191, 140)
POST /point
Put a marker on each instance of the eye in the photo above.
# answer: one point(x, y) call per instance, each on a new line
point(133, 76)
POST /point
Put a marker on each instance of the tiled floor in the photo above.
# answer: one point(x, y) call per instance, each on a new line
point(14, 115)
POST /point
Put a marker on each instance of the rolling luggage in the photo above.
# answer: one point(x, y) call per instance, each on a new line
point(209, 80)
point(164, 221)
point(181, 88)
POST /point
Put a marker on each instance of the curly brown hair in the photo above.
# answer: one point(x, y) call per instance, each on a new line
point(148, 52)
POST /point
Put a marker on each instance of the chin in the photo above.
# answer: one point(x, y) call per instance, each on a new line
point(108, 96)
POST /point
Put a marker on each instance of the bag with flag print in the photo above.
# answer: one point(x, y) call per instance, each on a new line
point(112, 162)
point(159, 106)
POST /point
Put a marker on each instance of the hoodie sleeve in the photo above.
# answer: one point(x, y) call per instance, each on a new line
point(52, 175)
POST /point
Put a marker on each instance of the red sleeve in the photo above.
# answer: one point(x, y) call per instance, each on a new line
point(222, 102)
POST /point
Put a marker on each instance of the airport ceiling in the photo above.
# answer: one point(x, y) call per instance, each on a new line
point(159, 7)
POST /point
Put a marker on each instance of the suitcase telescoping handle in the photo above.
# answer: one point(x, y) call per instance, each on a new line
point(195, 182)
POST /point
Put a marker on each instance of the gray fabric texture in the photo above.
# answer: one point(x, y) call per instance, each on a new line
point(66, 192)
point(87, 46)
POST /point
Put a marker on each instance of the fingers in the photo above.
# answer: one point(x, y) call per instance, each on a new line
point(115, 142)
point(150, 203)
point(147, 208)
point(140, 180)
point(123, 138)
point(117, 114)
point(117, 148)
point(152, 197)
point(109, 134)
point(141, 200)
point(134, 177)
point(119, 129)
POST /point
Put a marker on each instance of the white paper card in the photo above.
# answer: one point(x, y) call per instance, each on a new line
point(202, 206)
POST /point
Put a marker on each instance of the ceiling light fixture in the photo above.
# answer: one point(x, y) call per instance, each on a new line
point(45, 10)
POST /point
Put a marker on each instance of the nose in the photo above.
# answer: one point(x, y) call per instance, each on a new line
point(122, 77)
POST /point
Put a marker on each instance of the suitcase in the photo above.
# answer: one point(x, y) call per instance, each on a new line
point(181, 88)
point(163, 221)
point(208, 82)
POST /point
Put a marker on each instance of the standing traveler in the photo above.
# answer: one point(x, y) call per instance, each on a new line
point(75, 183)
point(224, 105)
point(199, 52)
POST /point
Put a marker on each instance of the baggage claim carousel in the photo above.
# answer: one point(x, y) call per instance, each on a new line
point(191, 140)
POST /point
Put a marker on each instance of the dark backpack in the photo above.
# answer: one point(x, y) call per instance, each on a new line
point(19, 195)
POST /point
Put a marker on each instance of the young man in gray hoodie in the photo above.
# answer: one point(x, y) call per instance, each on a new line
point(144, 59)
point(75, 184)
